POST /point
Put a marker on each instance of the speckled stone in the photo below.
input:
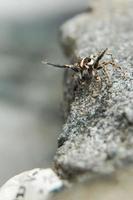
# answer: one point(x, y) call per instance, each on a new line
point(98, 134)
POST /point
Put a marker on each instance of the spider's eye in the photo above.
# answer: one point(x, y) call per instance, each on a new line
point(88, 60)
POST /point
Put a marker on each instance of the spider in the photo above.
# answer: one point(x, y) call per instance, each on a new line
point(87, 68)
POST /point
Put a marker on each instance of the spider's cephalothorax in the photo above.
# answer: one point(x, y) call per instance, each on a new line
point(87, 68)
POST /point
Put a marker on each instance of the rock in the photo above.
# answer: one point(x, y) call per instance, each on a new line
point(97, 136)
point(36, 184)
point(129, 114)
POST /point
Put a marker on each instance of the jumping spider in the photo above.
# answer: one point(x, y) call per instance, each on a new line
point(87, 68)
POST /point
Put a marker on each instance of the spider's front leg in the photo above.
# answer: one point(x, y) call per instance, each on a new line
point(73, 67)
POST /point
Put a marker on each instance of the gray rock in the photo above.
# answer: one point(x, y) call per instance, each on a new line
point(129, 114)
point(98, 134)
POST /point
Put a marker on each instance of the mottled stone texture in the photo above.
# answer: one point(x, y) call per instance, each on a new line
point(98, 134)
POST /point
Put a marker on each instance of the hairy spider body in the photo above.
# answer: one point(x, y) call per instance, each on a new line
point(87, 68)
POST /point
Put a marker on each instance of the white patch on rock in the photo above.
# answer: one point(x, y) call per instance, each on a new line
point(129, 114)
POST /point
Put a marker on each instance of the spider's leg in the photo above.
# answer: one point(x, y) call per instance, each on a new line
point(97, 84)
point(116, 66)
point(100, 56)
point(97, 78)
point(113, 62)
point(77, 78)
point(59, 66)
point(106, 73)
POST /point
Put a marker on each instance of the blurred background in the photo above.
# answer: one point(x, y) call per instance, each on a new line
point(30, 93)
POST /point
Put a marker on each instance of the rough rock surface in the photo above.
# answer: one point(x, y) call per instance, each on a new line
point(98, 134)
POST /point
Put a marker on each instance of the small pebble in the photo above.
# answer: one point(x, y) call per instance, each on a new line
point(36, 184)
